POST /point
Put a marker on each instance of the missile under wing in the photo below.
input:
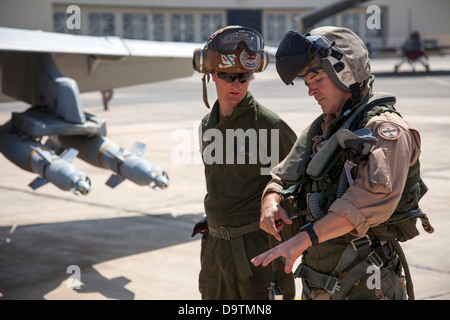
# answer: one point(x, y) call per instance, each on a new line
point(48, 71)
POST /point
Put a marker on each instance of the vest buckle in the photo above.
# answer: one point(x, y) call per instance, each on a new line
point(332, 285)
point(358, 242)
point(225, 233)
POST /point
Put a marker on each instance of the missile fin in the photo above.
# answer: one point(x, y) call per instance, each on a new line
point(43, 155)
point(37, 183)
point(115, 154)
point(138, 149)
point(69, 154)
point(114, 180)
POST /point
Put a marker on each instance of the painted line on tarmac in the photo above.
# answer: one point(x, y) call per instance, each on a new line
point(438, 81)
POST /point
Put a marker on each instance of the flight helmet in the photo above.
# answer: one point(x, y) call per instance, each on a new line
point(337, 51)
point(232, 49)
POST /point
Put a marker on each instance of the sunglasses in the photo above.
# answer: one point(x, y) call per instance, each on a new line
point(230, 77)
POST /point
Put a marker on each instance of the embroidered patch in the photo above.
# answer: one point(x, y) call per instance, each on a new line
point(389, 131)
point(227, 60)
point(249, 61)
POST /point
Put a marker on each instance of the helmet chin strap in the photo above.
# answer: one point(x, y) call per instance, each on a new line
point(356, 89)
point(205, 91)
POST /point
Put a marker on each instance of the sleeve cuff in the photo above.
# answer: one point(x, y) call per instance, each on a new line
point(347, 210)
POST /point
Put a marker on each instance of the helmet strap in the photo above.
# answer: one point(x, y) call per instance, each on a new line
point(205, 90)
point(356, 89)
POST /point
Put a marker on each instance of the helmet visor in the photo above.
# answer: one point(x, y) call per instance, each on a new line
point(313, 66)
point(229, 40)
point(297, 55)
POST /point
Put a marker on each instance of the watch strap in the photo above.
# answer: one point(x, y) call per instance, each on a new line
point(312, 234)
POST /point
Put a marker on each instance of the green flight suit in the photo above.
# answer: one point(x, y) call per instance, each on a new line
point(233, 200)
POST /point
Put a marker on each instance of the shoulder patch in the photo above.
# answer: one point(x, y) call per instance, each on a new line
point(389, 131)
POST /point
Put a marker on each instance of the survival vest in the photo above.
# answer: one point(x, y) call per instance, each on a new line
point(321, 174)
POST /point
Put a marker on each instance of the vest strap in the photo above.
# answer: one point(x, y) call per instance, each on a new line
point(327, 282)
point(359, 254)
point(321, 163)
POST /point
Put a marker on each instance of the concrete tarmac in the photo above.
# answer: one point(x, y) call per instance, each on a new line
point(135, 243)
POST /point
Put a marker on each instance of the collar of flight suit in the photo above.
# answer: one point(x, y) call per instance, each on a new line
point(242, 108)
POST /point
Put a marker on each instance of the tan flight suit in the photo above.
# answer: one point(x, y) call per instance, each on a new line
point(232, 204)
point(378, 186)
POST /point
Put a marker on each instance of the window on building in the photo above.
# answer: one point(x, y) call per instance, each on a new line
point(330, 21)
point(101, 24)
point(352, 21)
point(60, 23)
point(209, 23)
point(135, 26)
point(276, 27)
point(157, 27)
point(295, 21)
point(182, 27)
point(375, 33)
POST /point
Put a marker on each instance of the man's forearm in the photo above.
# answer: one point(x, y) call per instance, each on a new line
point(332, 226)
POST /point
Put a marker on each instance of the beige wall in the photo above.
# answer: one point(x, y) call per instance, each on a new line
point(26, 14)
point(430, 18)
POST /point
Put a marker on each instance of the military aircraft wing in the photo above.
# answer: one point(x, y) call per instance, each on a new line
point(49, 71)
point(100, 63)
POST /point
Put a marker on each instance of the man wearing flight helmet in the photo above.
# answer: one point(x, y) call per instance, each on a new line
point(353, 176)
point(231, 235)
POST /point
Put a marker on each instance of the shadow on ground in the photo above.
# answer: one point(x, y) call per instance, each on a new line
point(34, 259)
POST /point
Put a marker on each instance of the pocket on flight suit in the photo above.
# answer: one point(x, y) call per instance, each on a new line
point(378, 172)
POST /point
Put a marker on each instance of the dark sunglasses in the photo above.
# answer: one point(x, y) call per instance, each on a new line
point(230, 77)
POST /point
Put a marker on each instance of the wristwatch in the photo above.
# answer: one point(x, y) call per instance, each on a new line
point(312, 234)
